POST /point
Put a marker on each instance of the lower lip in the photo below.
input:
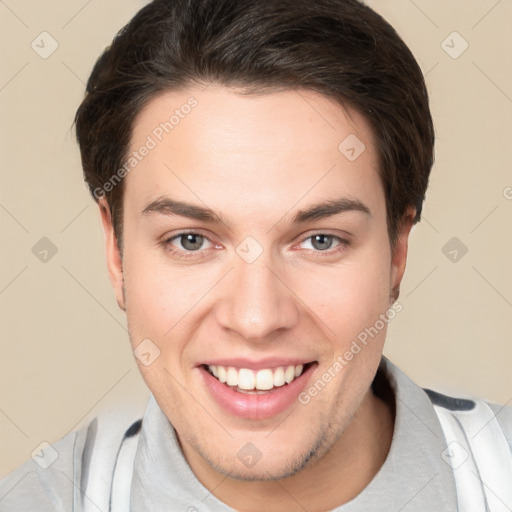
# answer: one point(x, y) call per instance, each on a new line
point(256, 406)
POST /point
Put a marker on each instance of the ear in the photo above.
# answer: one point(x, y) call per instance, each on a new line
point(399, 255)
point(114, 260)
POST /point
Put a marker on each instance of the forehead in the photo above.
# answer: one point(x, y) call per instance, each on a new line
point(224, 147)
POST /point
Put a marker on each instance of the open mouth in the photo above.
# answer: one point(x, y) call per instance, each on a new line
point(263, 381)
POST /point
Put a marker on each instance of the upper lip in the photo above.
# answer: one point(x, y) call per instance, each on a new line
point(272, 362)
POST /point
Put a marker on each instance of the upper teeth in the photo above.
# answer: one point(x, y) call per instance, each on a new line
point(262, 379)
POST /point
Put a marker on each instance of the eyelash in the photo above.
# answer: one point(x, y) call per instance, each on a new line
point(342, 245)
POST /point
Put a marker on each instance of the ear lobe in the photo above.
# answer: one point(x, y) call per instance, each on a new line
point(114, 260)
point(399, 256)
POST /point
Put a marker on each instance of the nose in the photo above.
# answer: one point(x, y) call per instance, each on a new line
point(256, 302)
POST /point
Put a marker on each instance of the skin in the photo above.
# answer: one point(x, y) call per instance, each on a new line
point(256, 161)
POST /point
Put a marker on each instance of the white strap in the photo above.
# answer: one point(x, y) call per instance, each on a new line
point(476, 449)
point(480, 457)
point(122, 477)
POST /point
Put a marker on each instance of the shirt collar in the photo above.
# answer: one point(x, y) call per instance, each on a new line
point(413, 476)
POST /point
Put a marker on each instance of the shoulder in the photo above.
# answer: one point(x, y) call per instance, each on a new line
point(475, 409)
point(478, 448)
point(78, 467)
point(449, 402)
point(44, 482)
point(480, 417)
point(503, 414)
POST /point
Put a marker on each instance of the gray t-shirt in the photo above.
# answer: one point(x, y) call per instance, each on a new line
point(141, 459)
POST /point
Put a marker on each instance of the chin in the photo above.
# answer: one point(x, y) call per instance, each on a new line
point(250, 464)
point(263, 471)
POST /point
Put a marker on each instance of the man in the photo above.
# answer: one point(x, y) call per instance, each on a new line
point(258, 167)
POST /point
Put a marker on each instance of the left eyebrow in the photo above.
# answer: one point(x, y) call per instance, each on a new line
point(330, 208)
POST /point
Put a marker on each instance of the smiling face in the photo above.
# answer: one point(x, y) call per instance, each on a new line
point(255, 250)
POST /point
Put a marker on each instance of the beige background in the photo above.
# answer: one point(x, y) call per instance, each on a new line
point(65, 355)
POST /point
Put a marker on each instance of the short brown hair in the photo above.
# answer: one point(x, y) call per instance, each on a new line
point(339, 48)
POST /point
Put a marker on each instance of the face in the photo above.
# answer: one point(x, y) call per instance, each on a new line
point(255, 253)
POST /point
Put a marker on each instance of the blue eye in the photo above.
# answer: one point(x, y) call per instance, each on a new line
point(191, 241)
point(321, 244)
point(322, 241)
point(190, 244)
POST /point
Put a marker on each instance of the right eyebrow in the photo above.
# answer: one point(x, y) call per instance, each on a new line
point(167, 206)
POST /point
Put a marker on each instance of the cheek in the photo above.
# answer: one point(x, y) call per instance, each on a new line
point(351, 297)
point(156, 291)
point(153, 298)
point(345, 299)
